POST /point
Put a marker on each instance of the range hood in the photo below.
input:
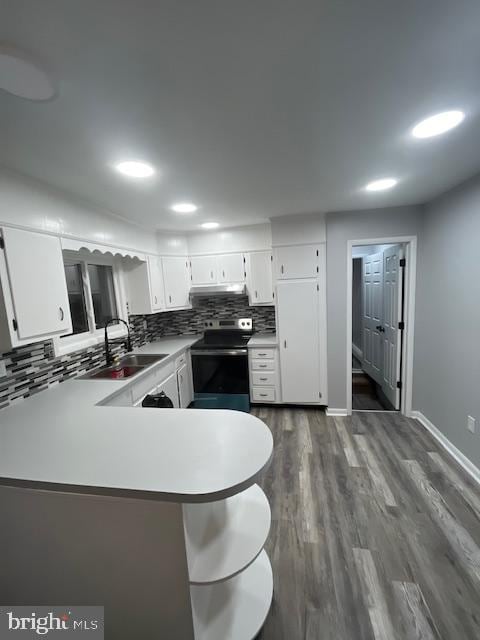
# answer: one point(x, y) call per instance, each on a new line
point(198, 291)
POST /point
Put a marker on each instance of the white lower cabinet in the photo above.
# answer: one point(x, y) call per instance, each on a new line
point(34, 302)
point(170, 389)
point(264, 375)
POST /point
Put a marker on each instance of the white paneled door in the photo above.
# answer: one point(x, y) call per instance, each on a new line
point(392, 311)
point(298, 313)
point(382, 314)
point(373, 316)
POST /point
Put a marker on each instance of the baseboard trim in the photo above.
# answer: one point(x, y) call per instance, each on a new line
point(466, 464)
point(331, 412)
point(358, 353)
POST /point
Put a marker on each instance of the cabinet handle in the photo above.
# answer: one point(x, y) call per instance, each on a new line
point(263, 379)
point(262, 366)
point(281, 269)
point(155, 299)
point(223, 273)
point(169, 298)
point(62, 314)
point(285, 344)
point(256, 294)
point(263, 395)
point(211, 275)
point(262, 354)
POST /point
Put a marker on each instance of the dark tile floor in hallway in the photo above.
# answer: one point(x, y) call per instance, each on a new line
point(375, 531)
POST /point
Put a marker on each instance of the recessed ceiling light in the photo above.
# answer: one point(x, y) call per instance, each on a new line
point(184, 207)
point(381, 185)
point(438, 124)
point(210, 225)
point(21, 77)
point(135, 169)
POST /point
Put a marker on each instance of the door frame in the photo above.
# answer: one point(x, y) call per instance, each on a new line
point(410, 243)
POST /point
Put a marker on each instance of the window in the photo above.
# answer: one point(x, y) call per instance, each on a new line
point(76, 297)
point(93, 297)
point(103, 293)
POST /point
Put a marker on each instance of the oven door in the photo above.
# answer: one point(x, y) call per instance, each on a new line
point(219, 371)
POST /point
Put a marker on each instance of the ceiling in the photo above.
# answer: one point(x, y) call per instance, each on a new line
point(248, 109)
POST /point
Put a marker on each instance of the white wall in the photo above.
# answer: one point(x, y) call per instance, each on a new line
point(301, 229)
point(342, 227)
point(171, 244)
point(237, 239)
point(447, 331)
point(30, 204)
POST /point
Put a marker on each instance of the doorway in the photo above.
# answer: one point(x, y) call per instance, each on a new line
point(380, 328)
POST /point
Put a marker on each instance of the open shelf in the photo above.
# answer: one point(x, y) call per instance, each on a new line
point(224, 537)
point(237, 608)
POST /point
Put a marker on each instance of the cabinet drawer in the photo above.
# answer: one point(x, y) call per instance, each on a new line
point(263, 365)
point(264, 379)
point(263, 394)
point(181, 360)
point(263, 353)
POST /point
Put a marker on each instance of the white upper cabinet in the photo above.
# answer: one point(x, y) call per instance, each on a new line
point(203, 269)
point(295, 262)
point(259, 277)
point(231, 268)
point(35, 300)
point(157, 292)
point(177, 286)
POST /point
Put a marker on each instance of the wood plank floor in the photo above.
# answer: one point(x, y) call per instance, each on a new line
point(375, 532)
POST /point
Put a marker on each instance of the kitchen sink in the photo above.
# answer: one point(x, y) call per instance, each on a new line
point(141, 360)
point(130, 365)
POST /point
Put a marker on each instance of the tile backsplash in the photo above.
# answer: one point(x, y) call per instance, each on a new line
point(33, 368)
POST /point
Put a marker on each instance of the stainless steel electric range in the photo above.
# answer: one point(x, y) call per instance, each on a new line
point(220, 365)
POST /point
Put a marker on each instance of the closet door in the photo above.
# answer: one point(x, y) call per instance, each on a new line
point(298, 324)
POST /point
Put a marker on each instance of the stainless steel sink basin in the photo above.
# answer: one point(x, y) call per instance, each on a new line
point(141, 360)
point(130, 365)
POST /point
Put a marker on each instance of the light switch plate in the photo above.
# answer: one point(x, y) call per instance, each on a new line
point(3, 369)
point(471, 424)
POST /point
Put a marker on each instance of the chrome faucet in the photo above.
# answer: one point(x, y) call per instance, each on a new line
point(127, 342)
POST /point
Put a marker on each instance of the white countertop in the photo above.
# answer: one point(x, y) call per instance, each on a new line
point(263, 340)
point(59, 439)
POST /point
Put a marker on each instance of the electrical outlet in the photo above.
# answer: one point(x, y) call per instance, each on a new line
point(471, 424)
point(3, 369)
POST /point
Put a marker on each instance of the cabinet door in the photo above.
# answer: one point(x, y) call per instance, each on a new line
point(204, 269)
point(175, 274)
point(169, 388)
point(298, 324)
point(231, 268)
point(157, 293)
point(38, 283)
point(296, 262)
point(184, 387)
point(259, 278)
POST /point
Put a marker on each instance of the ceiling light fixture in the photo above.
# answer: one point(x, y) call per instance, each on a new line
point(21, 77)
point(381, 185)
point(135, 169)
point(210, 225)
point(438, 124)
point(184, 207)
